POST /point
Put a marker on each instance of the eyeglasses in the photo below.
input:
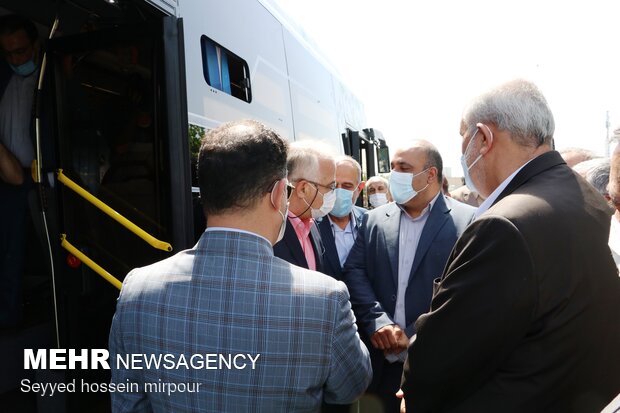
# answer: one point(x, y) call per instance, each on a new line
point(330, 187)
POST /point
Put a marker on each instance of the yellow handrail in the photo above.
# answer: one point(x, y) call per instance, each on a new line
point(89, 263)
point(154, 242)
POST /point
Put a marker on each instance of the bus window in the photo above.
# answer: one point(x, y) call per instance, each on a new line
point(225, 71)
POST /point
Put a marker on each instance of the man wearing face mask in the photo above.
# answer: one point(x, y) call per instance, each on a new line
point(311, 173)
point(378, 192)
point(400, 249)
point(526, 316)
point(339, 228)
point(229, 295)
point(18, 76)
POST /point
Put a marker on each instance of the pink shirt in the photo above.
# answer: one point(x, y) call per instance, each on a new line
point(302, 229)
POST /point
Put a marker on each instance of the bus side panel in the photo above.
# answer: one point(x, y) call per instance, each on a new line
point(312, 95)
point(248, 30)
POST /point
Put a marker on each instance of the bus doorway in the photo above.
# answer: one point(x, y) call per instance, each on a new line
point(113, 142)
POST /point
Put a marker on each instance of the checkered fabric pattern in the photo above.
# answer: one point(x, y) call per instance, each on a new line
point(230, 295)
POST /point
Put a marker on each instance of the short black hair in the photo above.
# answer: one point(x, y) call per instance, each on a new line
point(433, 158)
point(11, 23)
point(238, 163)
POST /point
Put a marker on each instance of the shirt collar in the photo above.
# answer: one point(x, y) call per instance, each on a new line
point(425, 211)
point(495, 194)
point(299, 224)
point(352, 223)
point(227, 229)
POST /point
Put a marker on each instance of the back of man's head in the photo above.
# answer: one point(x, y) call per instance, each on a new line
point(518, 107)
point(238, 163)
point(573, 156)
point(11, 23)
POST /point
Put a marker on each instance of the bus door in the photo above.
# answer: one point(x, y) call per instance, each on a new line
point(369, 148)
point(123, 176)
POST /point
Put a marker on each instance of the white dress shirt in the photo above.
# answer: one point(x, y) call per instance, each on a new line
point(409, 234)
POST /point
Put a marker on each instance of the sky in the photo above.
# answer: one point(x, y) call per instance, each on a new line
point(415, 64)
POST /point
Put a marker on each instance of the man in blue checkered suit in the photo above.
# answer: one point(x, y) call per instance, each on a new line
point(290, 330)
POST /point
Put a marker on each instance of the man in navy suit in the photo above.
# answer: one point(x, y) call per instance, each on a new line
point(399, 250)
point(311, 175)
point(339, 228)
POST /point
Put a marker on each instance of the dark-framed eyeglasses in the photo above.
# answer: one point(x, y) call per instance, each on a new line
point(330, 187)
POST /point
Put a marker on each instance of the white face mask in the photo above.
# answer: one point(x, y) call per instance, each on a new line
point(284, 215)
point(329, 199)
point(401, 186)
point(468, 182)
point(377, 199)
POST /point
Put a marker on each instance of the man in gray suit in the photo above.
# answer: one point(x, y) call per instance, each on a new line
point(399, 250)
point(290, 331)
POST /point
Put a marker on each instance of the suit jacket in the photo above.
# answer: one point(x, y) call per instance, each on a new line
point(526, 317)
point(331, 261)
point(289, 248)
point(230, 295)
point(371, 270)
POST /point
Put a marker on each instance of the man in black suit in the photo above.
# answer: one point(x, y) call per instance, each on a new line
point(526, 317)
point(339, 228)
point(311, 176)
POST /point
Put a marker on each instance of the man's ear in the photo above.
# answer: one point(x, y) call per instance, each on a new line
point(361, 186)
point(487, 138)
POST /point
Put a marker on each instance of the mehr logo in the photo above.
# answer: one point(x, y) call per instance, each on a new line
point(62, 359)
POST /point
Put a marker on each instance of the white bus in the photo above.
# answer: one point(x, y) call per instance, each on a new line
point(128, 89)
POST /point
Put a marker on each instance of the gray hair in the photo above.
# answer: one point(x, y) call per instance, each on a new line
point(352, 161)
point(377, 178)
point(303, 159)
point(517, 107)
point(596, 172)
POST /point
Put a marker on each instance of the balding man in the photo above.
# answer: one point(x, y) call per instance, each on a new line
point(526, 317)
point(339, 229)
point(573, 156)
point(400, 248)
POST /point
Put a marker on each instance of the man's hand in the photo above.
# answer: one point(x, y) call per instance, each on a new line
point(390, 338)
point(401, 396)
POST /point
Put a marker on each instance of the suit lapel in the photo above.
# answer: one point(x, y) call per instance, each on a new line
point(317, 244)
point(292, 242)
point(358, 213)
point(437, 218)
point(391, 231)
point(327, 236)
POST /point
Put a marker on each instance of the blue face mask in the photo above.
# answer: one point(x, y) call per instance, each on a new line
point(25, 69)
point(468, 182)
point(401, 186)
point(344, 203)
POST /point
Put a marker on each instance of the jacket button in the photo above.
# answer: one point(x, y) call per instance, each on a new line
point(393, 298)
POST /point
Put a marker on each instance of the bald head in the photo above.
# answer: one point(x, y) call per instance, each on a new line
point(427, 152)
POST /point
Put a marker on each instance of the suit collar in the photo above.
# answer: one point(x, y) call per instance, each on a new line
point(438, 216)
point(292, 243)
point(221, 240)
point(536, 166)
